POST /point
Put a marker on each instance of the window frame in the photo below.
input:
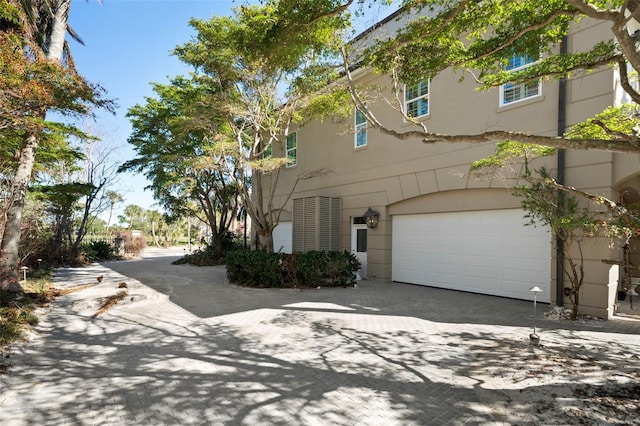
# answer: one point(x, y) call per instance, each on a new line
point(521, 87)
point(360, 129)
point(418, 98)
point(293, 150)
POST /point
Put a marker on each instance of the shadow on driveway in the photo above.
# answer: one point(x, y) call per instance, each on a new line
point(206, 293)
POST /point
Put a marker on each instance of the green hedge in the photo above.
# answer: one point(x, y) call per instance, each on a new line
point(308, 269)
point(254, 268)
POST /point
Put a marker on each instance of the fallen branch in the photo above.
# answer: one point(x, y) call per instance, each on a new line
point(55, 292)
point(111, 301)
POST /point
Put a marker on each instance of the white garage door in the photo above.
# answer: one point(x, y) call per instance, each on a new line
point(488, 252)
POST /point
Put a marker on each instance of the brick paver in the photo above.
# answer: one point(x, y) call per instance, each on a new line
point(188, 348)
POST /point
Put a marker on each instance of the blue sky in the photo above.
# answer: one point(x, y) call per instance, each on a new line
point(128, 45)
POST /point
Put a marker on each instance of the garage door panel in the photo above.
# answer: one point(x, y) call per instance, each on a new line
point(443, 279)
point(478, 284)
point(440, 245)
point(479, 260)
point(478, 271)
point(525, 245)
point(441, 258)
point(489, 252)
point(521, 265)
point(476, 244)
point(516, 288)
point(410, 276)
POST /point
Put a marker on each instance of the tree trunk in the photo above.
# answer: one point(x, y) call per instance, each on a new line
point(9, 285)
point(265, 240)
point(218, 248)
point(153, 233)
point(575, 309)
point(59, 30)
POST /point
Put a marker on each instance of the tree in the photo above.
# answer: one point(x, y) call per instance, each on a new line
point(64, 201)
point(33, 81)
point(478, 39)
point(155, 217)
point(135, 215)
point(571, 215)
point(571, 220)
point(265, 70)
point(113, 197)
point(174, 153)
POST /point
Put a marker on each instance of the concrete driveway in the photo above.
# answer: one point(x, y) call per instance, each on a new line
point(186, 347)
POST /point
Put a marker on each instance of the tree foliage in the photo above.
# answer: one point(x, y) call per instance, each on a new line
point(37, 76)
point(256, 74)
point(174, 153)
point(572, 219)
point(477, 39)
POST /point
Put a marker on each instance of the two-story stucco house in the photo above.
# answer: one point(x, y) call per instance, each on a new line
point(437, 226)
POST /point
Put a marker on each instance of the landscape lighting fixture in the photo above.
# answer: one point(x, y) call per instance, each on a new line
point(533, 336)
point(371, 218)
point(24, 272)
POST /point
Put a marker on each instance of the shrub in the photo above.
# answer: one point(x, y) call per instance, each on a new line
point(308, 269)
point(341, 268)
point(201, 257)
point(326, 268)
point(132, 244)
point(98, 250)
point(254, 268)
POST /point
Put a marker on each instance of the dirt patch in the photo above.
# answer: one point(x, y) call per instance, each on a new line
point(552, 383)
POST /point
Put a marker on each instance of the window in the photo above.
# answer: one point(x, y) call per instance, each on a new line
point(292, 149)
point(416, 99)
point(514, 92)
point(361, 130)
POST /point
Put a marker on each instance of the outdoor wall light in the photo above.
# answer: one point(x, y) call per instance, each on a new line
point(371, 218)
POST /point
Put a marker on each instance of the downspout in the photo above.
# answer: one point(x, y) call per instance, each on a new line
point(560, 165)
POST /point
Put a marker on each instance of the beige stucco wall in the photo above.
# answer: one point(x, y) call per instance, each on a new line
point(398, 177)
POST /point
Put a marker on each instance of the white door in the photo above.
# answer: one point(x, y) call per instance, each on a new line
point(359, 247)
point(489, 252)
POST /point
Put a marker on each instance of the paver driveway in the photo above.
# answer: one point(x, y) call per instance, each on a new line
point(186, 347)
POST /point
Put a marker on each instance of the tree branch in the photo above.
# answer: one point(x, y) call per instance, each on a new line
point(625, 83)
point(593, 11)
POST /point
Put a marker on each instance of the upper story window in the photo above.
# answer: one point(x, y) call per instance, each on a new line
point(416, 99)
point(515, 92)
point(361, 130)
point(292, 149)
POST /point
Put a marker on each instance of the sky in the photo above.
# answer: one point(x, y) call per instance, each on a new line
point(127, 45)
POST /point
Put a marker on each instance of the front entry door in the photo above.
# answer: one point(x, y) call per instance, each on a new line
point(359, 247)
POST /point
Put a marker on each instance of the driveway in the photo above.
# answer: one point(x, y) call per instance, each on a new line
point(186, 347)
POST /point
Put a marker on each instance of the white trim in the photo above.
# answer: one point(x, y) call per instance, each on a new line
point(359, 127)
point(522, 86)
point(426, 96)
point(295, 149)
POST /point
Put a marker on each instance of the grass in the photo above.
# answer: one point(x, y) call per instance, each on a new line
point(14, 319)
point(16, 316)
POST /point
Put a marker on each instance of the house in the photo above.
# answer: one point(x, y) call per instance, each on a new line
point(438, 226)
